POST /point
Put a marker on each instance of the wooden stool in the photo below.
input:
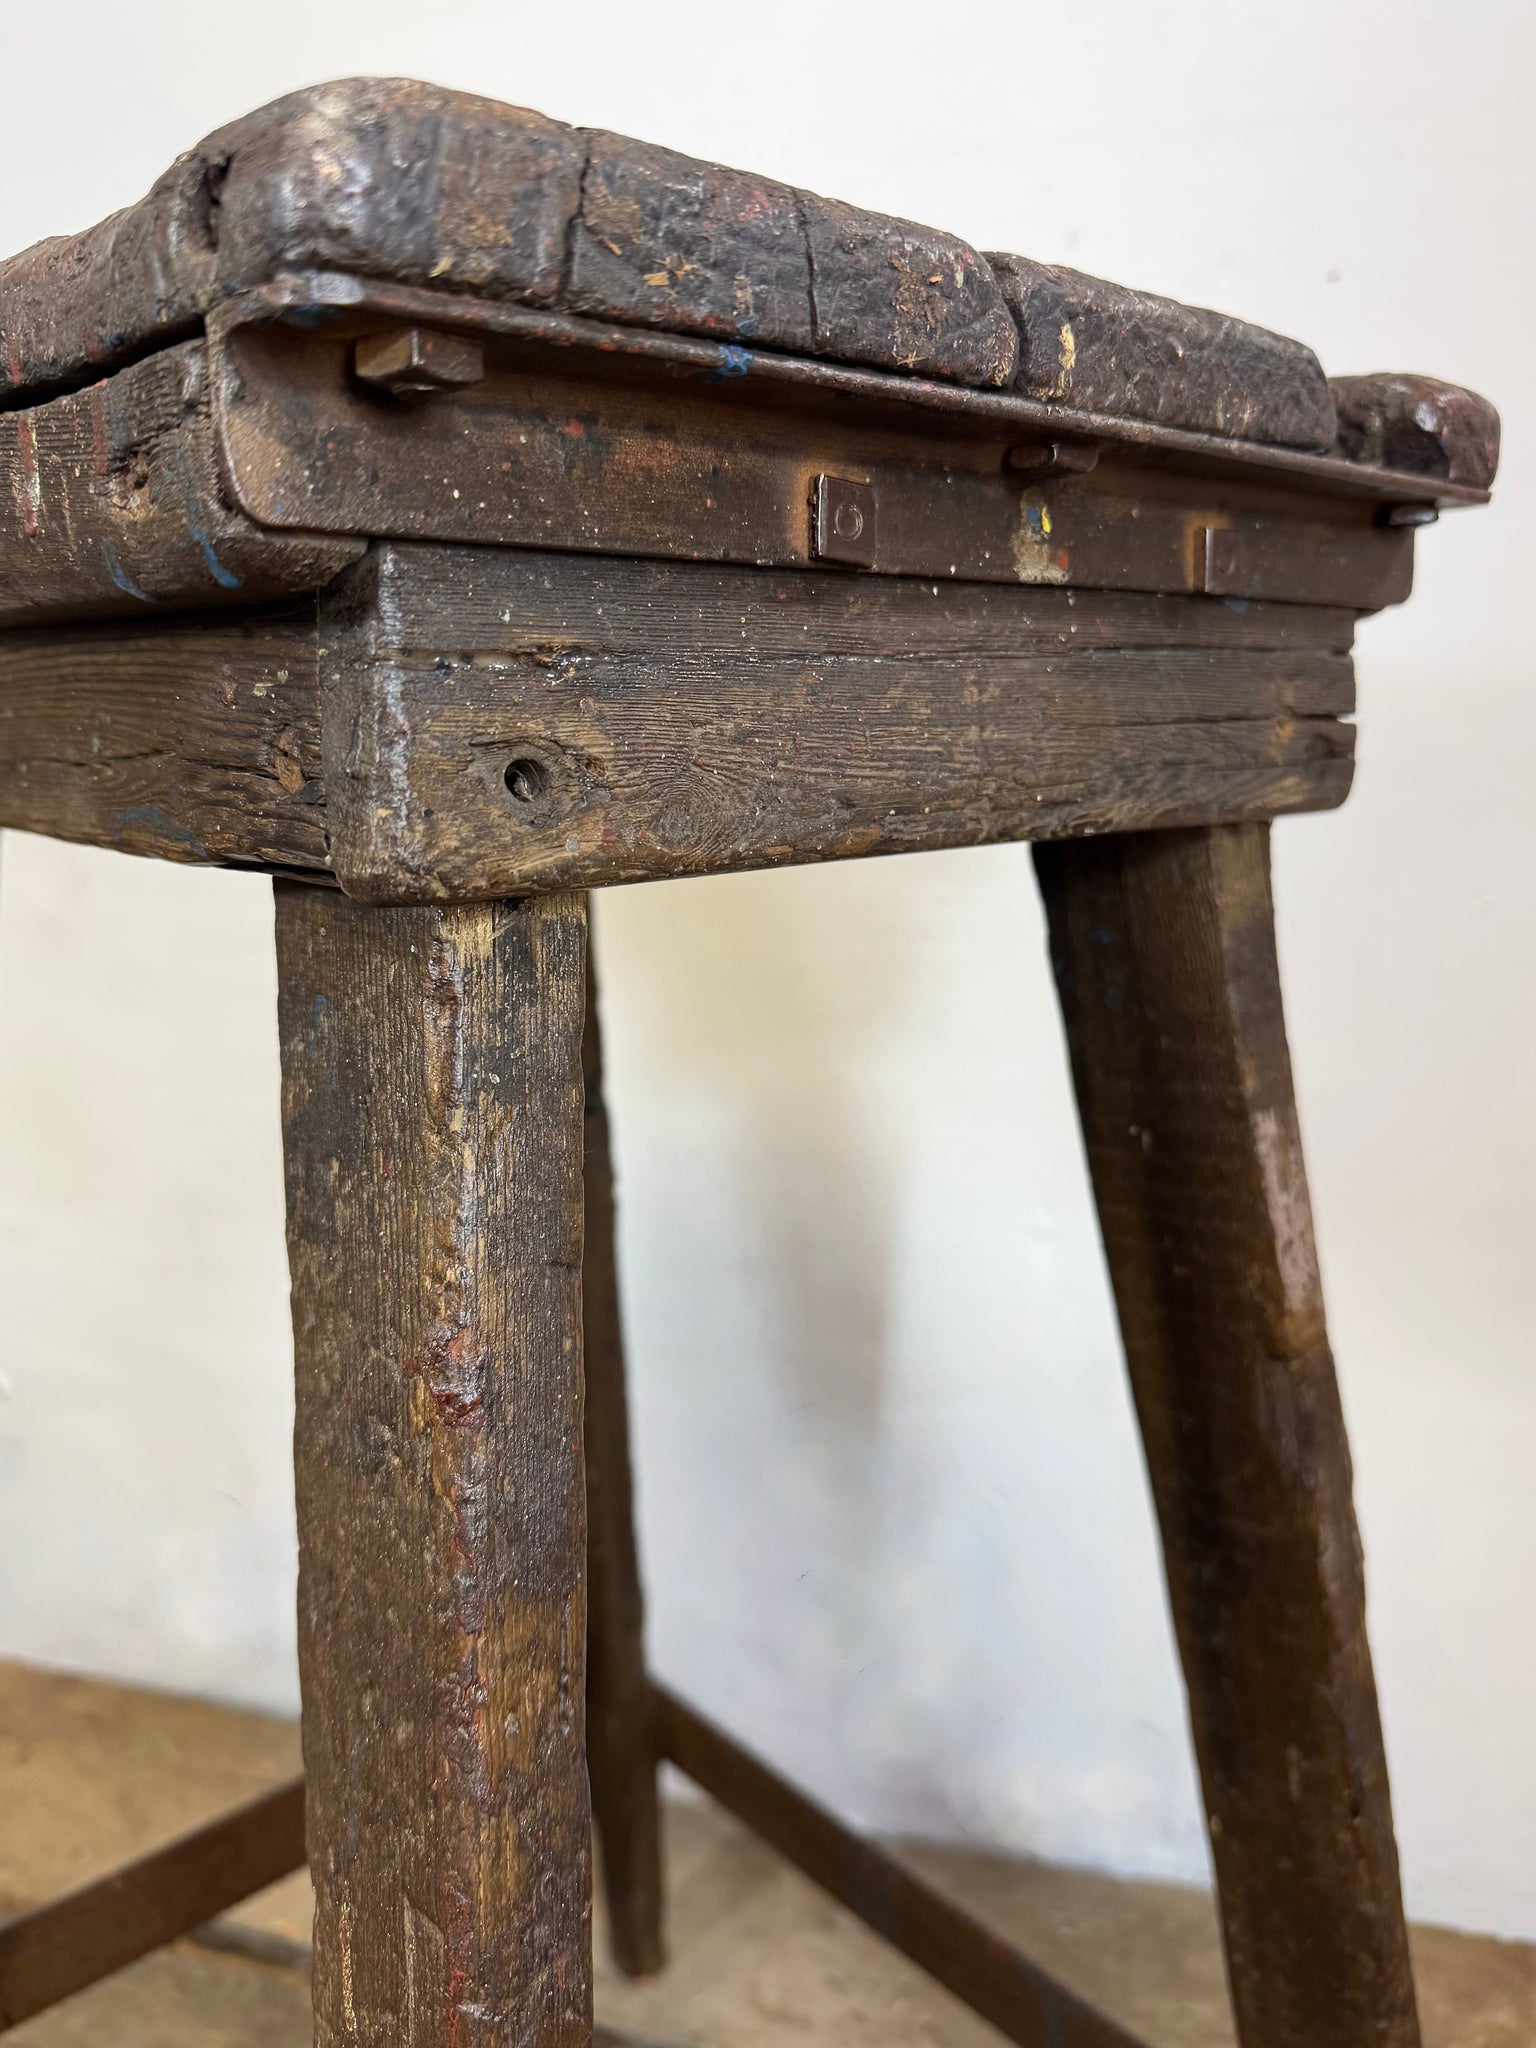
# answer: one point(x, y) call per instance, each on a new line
point(420, 499)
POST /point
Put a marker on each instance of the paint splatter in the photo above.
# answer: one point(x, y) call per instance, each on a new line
point(120, 575)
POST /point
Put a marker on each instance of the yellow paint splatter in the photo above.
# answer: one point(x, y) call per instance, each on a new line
point(1068, 359)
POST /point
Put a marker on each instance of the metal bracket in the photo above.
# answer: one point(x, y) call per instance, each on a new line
point(1218, 563)
point(843, 522)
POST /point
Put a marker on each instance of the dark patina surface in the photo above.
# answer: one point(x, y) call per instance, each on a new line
point(412, 184)
point(449, 511)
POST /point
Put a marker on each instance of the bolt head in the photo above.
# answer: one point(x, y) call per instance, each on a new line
point(1053, 458)
point(418, 362)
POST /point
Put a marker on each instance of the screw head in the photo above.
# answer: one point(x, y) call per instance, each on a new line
point(418, 362)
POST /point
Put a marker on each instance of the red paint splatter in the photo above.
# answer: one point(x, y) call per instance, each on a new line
point(30, 495)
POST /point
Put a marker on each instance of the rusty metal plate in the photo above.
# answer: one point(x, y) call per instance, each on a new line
point(845, 522)
point(803, 384)
point(556, 447)
point(1255, 558)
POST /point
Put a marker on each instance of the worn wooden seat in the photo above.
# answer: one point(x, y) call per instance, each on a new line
point(421, 499)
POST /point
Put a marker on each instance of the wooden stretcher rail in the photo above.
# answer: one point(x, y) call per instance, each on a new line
point(1025, 2004)
point(60, 1948)
point(474, 723)
point(495, 721)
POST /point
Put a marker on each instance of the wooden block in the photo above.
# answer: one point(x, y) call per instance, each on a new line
point(895, 294)
point(667, 241)
point(76, 305)
point(198, 737)
point(386, 177)
point(390, 178)
point(117, 504)
point(499, 722)
point(432, 1115)
point(671, 242)
point(1101, 348)
point(194, 739)
point(1163, 947)
point(1419, 425)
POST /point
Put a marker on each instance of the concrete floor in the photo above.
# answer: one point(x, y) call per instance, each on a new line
point(91, 1774)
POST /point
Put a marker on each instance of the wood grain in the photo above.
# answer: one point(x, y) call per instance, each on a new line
point(116, 505)
point(455, 598)
point(1164, 953)
point(696, 720)
point(195, 739)
point(432, 1108)
point(922, 713)
point(621, 1736)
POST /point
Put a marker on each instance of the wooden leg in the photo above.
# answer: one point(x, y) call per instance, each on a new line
point(621, 1736)
point(1164, 952)
point(433, 1130)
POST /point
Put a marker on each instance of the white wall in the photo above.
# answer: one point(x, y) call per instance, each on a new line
point(895, 1522)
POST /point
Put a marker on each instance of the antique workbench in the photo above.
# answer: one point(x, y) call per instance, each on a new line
point(449, 512)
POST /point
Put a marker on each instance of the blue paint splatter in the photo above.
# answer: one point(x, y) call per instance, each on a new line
point(318, 1011)
point(198, 532)
point(734, 362)
point(120, 575)
point(308, 317)
point(216, 568)
point(162, 824)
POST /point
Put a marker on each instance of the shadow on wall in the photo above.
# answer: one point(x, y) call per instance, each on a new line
point(774, 1162)
point(895, 1524)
